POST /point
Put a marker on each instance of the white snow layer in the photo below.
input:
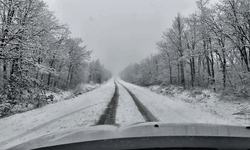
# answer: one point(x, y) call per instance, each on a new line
point(174, 110)
point(84, 111)
point(127, 111)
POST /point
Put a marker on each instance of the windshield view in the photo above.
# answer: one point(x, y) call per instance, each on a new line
point(71, 65)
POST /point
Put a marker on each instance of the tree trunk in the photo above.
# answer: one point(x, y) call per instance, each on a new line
point(208, 69)
point(178, 74)
point(223, 61)
point(49, 76)
point(170, 70)
point(212, 65)
point(157, 70)
point(245, 57)
point(204, 70)
point(69, 74)
point(51, 66)
point(183, 76)
point(199, 70)
point(224, 68)
point(192, 69)
point(4, 74)
point(181, 52)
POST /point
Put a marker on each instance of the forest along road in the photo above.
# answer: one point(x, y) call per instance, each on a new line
point(79, 112)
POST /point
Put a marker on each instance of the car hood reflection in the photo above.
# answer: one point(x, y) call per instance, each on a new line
point(145, 129)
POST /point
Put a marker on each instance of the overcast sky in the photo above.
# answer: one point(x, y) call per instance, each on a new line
point(120, 32)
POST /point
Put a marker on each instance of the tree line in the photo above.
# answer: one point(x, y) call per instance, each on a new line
point(209, 48)
point(37, 53)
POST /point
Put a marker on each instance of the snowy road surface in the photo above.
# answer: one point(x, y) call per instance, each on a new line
point(127, 111)
point(53, 118)
point(86, 109)
point(172, 110)
point(109, 115)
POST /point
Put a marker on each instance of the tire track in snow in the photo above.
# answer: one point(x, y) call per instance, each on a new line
point(109, 115)
point(147, 115)
point(127, 111)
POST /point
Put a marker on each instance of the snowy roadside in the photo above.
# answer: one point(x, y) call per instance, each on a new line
point(53, 118)
point(236, 111)
point(64, 95)
point(175, 110)
point(127, 111)
point(60, 95)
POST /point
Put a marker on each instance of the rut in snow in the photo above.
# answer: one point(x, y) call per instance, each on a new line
point(109, 115)
point(147, 115)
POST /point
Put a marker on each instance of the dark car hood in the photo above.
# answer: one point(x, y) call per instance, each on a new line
point(146, 129)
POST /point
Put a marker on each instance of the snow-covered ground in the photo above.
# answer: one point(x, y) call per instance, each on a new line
point(235, 111)
point(177, 110)
point(223, 108)
point(81, 111)
point(85, 110)
point(127, 111)
point(60, 95)
point(82, 88)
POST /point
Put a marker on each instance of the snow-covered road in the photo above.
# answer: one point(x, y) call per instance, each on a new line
point(171, 110)
point(86, 109)
point(127, 111)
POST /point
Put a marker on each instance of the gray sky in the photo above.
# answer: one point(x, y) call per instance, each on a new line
point(120, 32)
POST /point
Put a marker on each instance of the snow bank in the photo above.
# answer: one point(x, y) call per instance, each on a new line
point(83, 88)
point(80, 89)
point(60, 95)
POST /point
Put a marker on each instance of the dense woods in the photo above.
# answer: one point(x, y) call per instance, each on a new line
point(37, 53)
point(210, 48)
